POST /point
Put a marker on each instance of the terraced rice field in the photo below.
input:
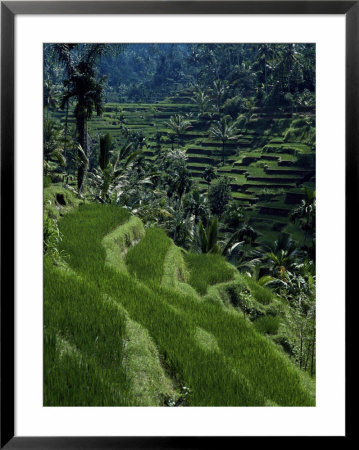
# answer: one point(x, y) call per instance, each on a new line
point(126, 323)
point(261, 160)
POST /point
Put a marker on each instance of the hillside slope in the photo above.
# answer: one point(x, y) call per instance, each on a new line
point(269, 163)
point(131, 319)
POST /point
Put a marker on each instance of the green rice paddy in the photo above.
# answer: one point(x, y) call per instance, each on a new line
point(209, 347)
point(264, 147)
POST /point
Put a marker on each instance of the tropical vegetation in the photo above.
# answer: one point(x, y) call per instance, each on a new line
point(179, 225)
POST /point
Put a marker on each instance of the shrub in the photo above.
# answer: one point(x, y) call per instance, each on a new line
point(233, 106)
point(58, 200)
point(240, 297)
point(299, 123)
point(241, 122)
point(47, 181)
point(305, 135)
point(234, 215)
point(52, 237)
point(219, 195)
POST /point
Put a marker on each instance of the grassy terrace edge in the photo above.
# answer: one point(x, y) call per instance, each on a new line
point(238, 370)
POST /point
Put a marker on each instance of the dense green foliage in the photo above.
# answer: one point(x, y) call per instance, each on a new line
point(179, 221)
point(275, 74)
point(219, 195)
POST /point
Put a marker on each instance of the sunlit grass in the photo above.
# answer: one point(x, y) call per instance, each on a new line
point(207, 269)
point(239, 368)
point(145, 260)
point(267, 324)
point(86, 332)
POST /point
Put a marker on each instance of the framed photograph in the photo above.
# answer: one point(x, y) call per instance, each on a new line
point(175, 182)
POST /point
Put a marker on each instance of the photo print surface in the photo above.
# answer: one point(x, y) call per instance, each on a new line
point(179, 224)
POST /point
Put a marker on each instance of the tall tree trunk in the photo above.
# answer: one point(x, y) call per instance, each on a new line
point(307, 354)
point(265, 75)
point(289, 69)
point(47, 165)
point(222, 153)
point(313, 352)
point(66, 128)
point(301, 347)
point(81, 130)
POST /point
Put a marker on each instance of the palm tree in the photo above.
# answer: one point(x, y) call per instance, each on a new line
point(50, 98)
point(88, 94)
point(224, 132)
point(66, 126)
point(105, 148)
point(265, 53)
point(183, 183)
point(53, 135)
point(180, 226)
point(287, 59)
point(209, 174)
point(305, 212)
point(172, 139)
point(178, 124)
point(208, 240)
point(111, 179)
point(249, 105)
point(202, 100)
point(208, 237)
point(196, 204)
point(219, 90)
point(279, 263)
point(248, 235)
point(82, 86)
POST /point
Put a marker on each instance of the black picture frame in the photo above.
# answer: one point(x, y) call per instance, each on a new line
point(9, 9)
